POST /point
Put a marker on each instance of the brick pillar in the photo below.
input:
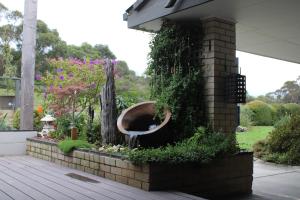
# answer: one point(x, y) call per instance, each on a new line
point(218, 53)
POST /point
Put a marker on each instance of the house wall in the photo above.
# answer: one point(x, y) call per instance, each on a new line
point(218, 56)
point(5, 102)
point(14, 142)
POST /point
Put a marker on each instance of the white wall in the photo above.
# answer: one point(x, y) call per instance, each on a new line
point(14, 142)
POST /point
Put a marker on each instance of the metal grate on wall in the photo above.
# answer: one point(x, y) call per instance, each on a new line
point(236, 88)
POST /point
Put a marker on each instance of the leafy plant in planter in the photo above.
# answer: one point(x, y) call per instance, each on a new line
point(202, 147)
point(63, 126)
point(68, 145)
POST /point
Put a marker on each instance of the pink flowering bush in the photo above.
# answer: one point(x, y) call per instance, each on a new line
point(72, 85)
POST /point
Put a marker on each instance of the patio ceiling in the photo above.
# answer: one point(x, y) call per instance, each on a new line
point(264, 27)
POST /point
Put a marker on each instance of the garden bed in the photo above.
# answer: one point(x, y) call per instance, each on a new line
point(226, 176)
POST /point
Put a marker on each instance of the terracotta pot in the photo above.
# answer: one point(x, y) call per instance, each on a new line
point(74, 133)
point(138, 119)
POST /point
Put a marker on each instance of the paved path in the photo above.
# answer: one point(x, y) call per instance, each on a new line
point(27, 178)
point(274, 182)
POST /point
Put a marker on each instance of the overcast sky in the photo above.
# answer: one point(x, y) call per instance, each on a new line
point(100, 22)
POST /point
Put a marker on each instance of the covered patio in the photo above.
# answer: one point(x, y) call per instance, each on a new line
point(25, 177)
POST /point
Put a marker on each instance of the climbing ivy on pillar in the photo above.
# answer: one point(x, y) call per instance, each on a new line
point(28, 64)
point(175, 69)
point(108, 107)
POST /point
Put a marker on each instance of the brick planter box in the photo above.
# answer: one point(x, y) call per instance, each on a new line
point(232, 175)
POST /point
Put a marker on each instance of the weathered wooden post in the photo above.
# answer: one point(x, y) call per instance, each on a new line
point(28, 64)
point(108, 107)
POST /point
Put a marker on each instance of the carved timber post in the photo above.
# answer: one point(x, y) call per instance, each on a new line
point(108, 107)
point(28, 64)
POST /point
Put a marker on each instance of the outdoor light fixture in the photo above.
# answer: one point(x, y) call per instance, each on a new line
point(48, 125)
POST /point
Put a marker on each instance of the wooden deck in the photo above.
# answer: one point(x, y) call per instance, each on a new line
point(27, 178)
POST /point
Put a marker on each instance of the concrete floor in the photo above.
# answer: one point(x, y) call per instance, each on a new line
point(274, 182)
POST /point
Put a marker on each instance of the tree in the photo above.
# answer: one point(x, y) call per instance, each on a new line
point(85, 51)
point(49, 45)
point(8, 34)
point(104, 51)
point(289, 92)
point(130, 88)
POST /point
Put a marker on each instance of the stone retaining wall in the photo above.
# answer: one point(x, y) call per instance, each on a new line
point(99, 164)
point(222, 177)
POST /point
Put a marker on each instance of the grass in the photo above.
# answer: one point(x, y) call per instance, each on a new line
point(254, 134)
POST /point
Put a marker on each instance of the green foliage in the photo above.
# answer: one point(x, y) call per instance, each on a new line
point(282, 110)
point(130, 89)
point(105, 52)
point(9, 68)
point(63, 126)
point(202, 147)
point(3, 123)
point(246, 116)
point(279, 111)
point(124, 103)
point(292, 108)
point(16, 120)
point(263, 113)
point(8, 35)
point(94, 136)
point(37, 124)
point(68, 145)
point(176, 77)
point(283, 143)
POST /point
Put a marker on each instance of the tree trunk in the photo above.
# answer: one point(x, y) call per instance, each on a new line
point(28, 64)
point(108, 107)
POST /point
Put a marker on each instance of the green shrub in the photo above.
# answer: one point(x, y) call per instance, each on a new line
point(63, 125)
point(262, 113)
point(68, 145)
point(260, 148)
point(125, 101)
point(285, 119)
point(3, 123)
point(292, 108)
point(279, 111)
point(37, 124)
point(283, 143)
point(203, 147)
point(246, 116)
point(16, 119)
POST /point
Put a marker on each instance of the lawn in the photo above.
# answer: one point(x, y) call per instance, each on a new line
point(254, 134)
